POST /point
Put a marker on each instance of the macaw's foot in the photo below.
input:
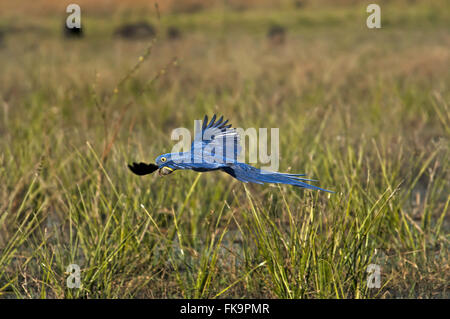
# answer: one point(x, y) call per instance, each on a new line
point(165, 171)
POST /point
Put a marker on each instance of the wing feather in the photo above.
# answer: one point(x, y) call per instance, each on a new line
point(218, 138)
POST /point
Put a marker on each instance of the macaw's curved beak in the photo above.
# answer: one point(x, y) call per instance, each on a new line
point(165, 171)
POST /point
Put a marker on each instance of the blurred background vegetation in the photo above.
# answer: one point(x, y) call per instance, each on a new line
point(365, 111)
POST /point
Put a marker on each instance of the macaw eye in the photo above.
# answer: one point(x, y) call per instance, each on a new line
point(163, 159)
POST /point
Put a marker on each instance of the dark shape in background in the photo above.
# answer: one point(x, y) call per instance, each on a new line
point(299, 3)
point(72, 33)
point(173, 33)
point(133, 31)
point(276, 34)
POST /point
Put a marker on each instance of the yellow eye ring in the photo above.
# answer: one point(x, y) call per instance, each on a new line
point(163, 159)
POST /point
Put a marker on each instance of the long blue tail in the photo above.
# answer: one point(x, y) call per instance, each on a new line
point(246, 173)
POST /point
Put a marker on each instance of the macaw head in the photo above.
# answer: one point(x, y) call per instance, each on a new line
point(165, 164)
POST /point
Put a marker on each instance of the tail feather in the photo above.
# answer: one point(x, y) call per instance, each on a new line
point(246, 173)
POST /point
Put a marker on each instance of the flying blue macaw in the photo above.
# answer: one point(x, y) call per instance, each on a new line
point(216, 147)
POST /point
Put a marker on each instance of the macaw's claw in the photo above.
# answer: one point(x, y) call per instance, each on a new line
point(165, 171)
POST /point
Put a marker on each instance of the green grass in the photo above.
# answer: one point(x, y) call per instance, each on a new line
point(364, 111)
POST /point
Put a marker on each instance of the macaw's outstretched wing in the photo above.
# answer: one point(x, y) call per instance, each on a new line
point(216, 139)
point(246, 173)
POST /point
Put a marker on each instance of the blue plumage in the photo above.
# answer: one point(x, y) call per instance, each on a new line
point(216, 147)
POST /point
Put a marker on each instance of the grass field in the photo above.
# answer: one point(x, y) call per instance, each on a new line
point(364, 111)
